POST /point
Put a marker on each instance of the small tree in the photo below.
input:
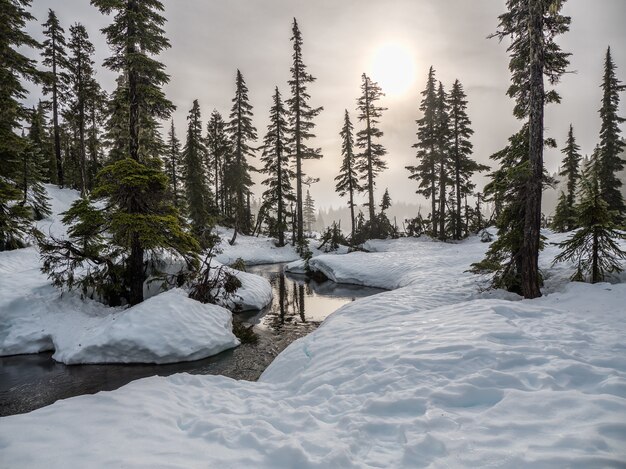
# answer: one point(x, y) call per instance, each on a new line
point(594, 246)
point(309, 211)
point(348, 178)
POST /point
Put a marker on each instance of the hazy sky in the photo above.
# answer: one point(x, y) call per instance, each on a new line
point(212, 38)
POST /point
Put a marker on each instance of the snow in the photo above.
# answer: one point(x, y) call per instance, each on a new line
point(167, 327)
point(431, 374)
point(252, 249)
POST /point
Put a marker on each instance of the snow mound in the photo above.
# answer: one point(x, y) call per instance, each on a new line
point(252, 249)
point(255, 292)
point(166, 328)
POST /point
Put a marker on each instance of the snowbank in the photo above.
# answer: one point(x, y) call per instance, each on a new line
point(426, 375)
point(252, 249)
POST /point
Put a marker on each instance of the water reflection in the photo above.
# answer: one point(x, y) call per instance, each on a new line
point(28, 382)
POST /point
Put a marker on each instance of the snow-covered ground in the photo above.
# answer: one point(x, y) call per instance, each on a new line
point(431, 374)
point(168, 327)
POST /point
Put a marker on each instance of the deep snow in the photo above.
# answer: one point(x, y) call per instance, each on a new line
point(166, 328)
point(431, 374)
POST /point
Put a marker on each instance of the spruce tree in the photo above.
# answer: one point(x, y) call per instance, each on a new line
point(348, 178)
point(173, 166)
point(565, 214)
point(385, 203)
point(425, 172)
point(309, 211)
point(32, 171)
point(277, 167)
point(442, 129)
point(81, 78)
point(594, 247)
point(198, 196)
point(55, 58)
point(532, 26)
point(611, 144)
point(370, 160)
point(464, 167)
point(301, 121)
point(241, 133)
point(14, 67)
point(218, 148)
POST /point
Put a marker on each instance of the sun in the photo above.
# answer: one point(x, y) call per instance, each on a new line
point(393, 67)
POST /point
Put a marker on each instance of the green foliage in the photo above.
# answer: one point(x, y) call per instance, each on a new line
point(173, 167)
point(129, 202)
point(348, 177)
point(415, 227)
point(332, 238)
point(309, 212)
point(565, 217)
point(218, 153)
point(594, 247)
point(15, 218)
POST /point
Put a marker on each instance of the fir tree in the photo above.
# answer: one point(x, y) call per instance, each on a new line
point(55, 58)
point(370, 160)
point(80, 73)
point(277, 167)
point(309, 211)
point(565, 214)
point(594, 247)
point(426, 170)
point(14, 67)
point(348, 178)
point(198, 197)
point(386, 201)
point(218, 148)
point(241, 133)
point(173, 166)
point(33, 164)
point(611, 144)
point(464, 166)
point(301, 121)
point(442, 129)
point(533, 26)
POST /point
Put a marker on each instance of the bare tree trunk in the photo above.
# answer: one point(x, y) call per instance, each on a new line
point(532, 221)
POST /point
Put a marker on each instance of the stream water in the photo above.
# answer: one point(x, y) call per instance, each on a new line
point(28, 382)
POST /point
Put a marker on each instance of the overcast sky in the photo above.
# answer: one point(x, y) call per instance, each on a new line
point(212, 38)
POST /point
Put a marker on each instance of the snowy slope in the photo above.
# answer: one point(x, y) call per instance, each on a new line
point(168, 327)
point(423, 376)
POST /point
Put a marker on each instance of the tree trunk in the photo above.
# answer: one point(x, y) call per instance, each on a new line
point(55, 115)
point(370, 175)
point(433, 198)
point(595, 273)
point(442, 198)
point(532, 221)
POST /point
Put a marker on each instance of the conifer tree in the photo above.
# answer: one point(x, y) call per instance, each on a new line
point(32, 173)
point(565, 214)
point(370, 160)
point(309, 211)
point(348, 178)
point(81, 78)
point(40, 138)
point(218, 148)
point(241, 133)
point(425, 172)
point(611, 144)
point(173, 166)
point(14, 67)
point(301, 122)
point(55, 58)
point(96, 116)
point(594, 247)
point(277, 167)
point(532, 26)
point(198, 197)
point(464, 167)
point(386, 201)
point(442, 126)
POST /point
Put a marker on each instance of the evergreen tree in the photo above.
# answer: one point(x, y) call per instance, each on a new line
point(80, 73)
point(611, 144)
point(55, 58)
point(348, 178)
point(301, 121)
point(198, 196)
point(309, 211)
point(218, 148)
point(277, 167)
point(594, 246)
point(386, 201)
point(442, 129)
point(461, 152)
point(241, 133)
point(426, 170)
point(565, 214)
point(14, 67)
point(33, 167)
point(532, 26)
point(173, 166)
point(40, 138)
point(96, 115)
point(369, 160)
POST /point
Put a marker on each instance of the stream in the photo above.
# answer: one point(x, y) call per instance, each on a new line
point(300, 304)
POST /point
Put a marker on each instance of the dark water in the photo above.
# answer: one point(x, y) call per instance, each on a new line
point(28, 382)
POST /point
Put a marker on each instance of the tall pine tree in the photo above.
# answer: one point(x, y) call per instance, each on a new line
point(277, 167)
point(173, 166)
point(301, 120)
point(565, 215)
point(611, 144)
point(218, 148)
point(348, 178)
point(241, 133)
point(370, 160)
point(442, 128)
